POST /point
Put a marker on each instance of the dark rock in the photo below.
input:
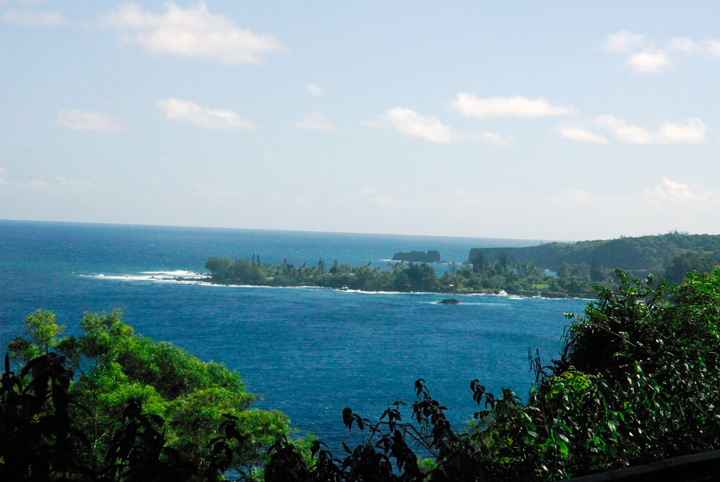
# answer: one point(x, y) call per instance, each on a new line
point(432, 256)
point(450, 301)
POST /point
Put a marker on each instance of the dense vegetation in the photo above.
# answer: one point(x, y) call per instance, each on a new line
point(114, 406)
point(670, 255)
point(478, 277)
point(637, 381)
point(550, 270)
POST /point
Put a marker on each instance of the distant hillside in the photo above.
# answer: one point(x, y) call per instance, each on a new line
point(640, 256)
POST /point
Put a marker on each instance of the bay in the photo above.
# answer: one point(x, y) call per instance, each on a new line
point(306, 351)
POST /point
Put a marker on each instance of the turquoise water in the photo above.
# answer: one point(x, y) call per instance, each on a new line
point(308, 352)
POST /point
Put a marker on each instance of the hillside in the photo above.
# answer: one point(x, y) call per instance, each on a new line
point(641, 255)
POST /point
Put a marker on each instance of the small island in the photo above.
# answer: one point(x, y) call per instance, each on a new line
point(431, 256)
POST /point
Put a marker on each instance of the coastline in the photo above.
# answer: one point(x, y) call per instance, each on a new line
point(205, 279)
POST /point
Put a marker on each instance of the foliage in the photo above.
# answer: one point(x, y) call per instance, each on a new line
point(135, 407)
point(477, 277)
point(42, 330)
point(35, 442)
point(686, 262)
point(640, 256)
point(659, 357)
point(549, 270)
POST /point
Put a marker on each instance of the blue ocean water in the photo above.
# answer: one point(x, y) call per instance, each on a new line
point(308, 352)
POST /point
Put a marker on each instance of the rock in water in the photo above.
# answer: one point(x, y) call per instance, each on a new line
point(450, 301)
point(432, 256)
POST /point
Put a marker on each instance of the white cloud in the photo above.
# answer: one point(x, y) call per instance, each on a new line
point(712, 47)
point(667, 205)
point(315, 90)
point(644, 57)
point(315, 121)
point(669, 191)
point(29, 18)
point(580, 134)
point(471, 105)
point(185, 111)
point(669, 194)
point(650, 61)
point(413, 124)
point(682, 44)
point(624, 42)
point(192, 32)
point(709, 47)
point(691, 132)
point(86, 120)
point(410, 123)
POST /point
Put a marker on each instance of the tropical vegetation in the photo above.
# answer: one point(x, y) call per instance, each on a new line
point(668, 255)
point(480, 276)
point(111, 405)
point(554, 270)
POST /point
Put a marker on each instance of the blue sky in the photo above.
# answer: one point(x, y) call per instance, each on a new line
point(539, 120)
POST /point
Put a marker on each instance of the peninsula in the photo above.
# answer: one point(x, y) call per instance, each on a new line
point(549, 270)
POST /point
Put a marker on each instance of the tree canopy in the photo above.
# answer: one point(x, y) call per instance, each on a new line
point(480, 276)
point(117, 382)
point(639, 256)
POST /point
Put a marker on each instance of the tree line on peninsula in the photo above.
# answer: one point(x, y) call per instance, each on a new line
point(548, 270)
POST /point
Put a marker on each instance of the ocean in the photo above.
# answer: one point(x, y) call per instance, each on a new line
point(308, 352)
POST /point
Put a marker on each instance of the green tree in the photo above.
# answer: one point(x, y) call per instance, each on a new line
point(218, 267)
point(686, 262)
point(43, 330)
point(478, 262)
point(192, 398)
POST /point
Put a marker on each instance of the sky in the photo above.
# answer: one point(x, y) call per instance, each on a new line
point(531, 120)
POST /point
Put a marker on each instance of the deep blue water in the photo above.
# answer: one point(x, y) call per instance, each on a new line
point(307, 352)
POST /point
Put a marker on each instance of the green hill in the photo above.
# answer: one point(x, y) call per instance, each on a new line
point(640, 256)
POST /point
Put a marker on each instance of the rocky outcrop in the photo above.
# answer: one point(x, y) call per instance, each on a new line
point(432, 256)
point(449, 301)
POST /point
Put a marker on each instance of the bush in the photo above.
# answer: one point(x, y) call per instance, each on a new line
point(138, 410)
